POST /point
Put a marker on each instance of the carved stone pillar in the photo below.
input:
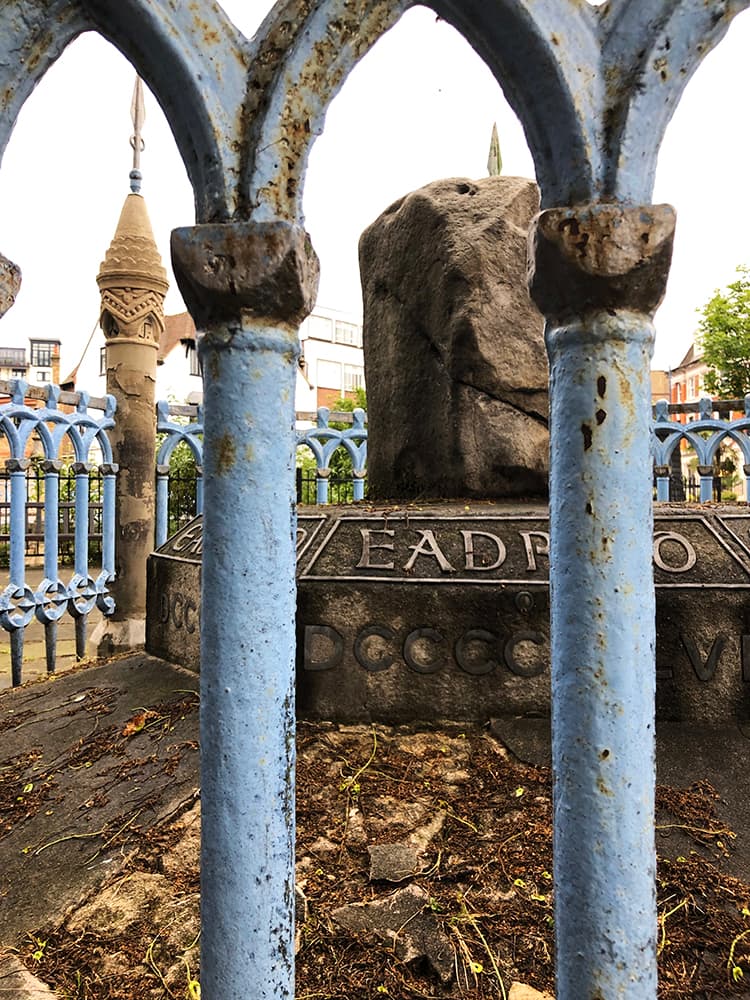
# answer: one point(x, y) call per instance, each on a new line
point(133, 284)
point(247, 286)
point(598, 273)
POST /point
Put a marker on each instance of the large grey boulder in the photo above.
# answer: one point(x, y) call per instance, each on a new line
point(455, 363)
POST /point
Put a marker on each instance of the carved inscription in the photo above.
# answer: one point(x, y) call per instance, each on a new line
point(507, 549)
point(178, 610)
point(480, 549)
point(704, 669)
point(446, 551)
point(426, 650)
point(190, 541)
point(673, 553)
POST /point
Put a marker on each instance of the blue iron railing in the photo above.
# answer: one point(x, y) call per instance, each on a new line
point(705, 436)
point(186, 429)
point(323, 440)
point(50, 435)
point(179, 496)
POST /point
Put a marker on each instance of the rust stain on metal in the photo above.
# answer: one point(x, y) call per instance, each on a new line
point(309, 89)
point(587, 436)
point(603, 787)
point(226, 453)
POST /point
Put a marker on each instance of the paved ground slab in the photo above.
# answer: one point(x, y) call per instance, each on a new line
point(88, 760)
point(686, 756)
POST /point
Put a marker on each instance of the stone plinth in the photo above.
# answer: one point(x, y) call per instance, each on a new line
point(443, 612)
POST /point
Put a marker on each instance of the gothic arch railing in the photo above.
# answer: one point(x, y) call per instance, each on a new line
point(705, 435)
point(184, 424)
point(188, 430)
point(54, 435)
point(324, 440)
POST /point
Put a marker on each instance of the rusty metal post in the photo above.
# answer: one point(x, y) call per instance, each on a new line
point(600, 273)
point(248, 287)
point(133, 284)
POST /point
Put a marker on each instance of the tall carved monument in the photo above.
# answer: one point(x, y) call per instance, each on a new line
point(133, 284)
point(454, 351)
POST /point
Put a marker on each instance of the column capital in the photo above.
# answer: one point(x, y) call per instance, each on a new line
point(266, 268)
point(600, 257)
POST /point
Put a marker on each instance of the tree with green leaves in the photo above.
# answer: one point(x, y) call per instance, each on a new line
point(724, 338)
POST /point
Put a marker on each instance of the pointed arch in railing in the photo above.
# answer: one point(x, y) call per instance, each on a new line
point(190, 434)
point(705, 435)
point(84, 437)
point(324, 440)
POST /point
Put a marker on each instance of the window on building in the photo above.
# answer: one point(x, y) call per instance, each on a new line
point(320, 327)
point(354, 378)
point(18, 373)
point(329, 375)
point(194, 362)
point(102, 360)
point(41, 353)
point(12, 357)
point(43, 375)
point(347, 333)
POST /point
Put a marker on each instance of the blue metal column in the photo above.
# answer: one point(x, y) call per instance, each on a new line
point(82, 471)
point(662, 483)
point(599, 339)
point(706, 473)
point(162, 504)
point(51, 469)
point(247, 663)
point(248, 600)
point(17, 468)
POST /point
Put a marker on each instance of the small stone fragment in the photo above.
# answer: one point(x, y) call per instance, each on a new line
point(301, 911)
point(18, 982)
point(404, 920)
point(518, 991)
point(392, 862)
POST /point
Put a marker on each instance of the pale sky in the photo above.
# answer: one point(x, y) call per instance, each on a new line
point(419, 107)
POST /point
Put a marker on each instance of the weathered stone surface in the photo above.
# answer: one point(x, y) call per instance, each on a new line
point(122, 905)
point(10, 283)
point(392, 862)
point(67, 740)
point(454, 353)
point(442, 612)
point(600, 257)
point(405, 919)
point(269, 269)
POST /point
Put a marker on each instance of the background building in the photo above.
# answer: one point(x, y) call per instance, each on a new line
point(40, 367)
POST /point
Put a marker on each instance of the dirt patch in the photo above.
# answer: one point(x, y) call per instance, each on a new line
point(470, 828)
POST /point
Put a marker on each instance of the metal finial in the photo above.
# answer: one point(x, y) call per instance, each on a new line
point(138, 116)
point(494, 160)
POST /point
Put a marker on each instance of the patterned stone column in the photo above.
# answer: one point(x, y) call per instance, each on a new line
point(599, 273)
point(248, 286)
point(133, 284)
